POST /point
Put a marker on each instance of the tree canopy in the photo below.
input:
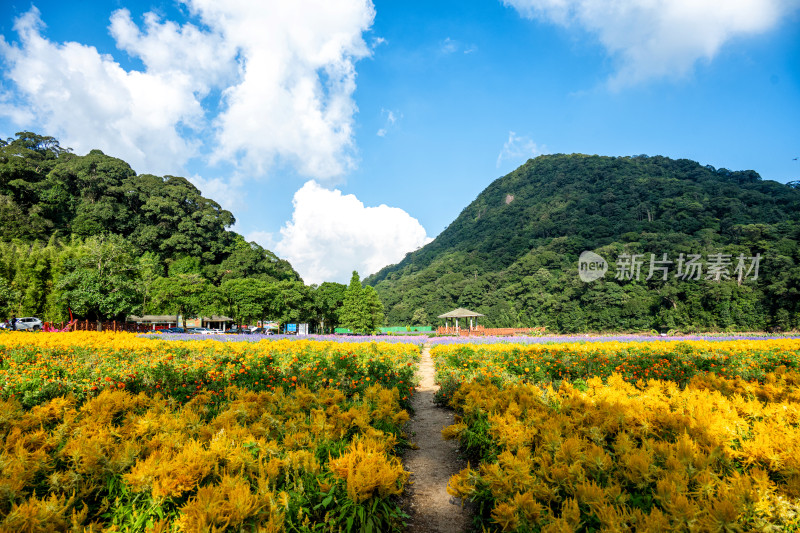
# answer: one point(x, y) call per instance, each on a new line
point(88, 233)
point(362, 310)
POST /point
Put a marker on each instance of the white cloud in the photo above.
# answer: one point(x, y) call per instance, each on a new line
point(204, 57)
point(285, 73)
point(519, 147)
point(331, 234)
point(293, 100)
point(451, 46)
point(391, 119)
point(659, 38)
point(88, 101)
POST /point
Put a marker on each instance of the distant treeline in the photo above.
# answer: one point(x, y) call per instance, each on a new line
point(87, 233)
point(512, 254)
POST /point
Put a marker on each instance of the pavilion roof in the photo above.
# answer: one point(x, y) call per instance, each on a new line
point(460, 313)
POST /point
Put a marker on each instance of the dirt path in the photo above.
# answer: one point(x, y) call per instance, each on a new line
point(432, 510)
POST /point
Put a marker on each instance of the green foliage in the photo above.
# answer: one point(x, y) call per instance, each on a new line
point(184, 264)
point(328, 300)
point(71, 203)
point(150, 269)
point(7, 297)
point(290, 301)
point(249, 260)
point(374, 308)
point(512, 254)
point(362, 309)
point(102, 280)
point(246, 299)
point(181, 294)
point(352, 314)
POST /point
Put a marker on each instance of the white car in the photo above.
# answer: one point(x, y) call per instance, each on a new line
point(29, 323)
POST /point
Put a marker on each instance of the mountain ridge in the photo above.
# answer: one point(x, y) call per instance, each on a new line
point(565, 203)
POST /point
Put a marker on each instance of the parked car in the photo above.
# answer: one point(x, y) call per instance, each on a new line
point(261, 331)
point(173, 330)
point(30, 323)
point(202, 331)
point(238, 330)
point(216, 331)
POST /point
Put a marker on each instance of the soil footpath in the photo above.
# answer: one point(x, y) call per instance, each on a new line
point(431, 509)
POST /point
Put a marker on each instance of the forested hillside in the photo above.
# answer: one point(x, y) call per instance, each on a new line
point(88, 233)
point(512, 254)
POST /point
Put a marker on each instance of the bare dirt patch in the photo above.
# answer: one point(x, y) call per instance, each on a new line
point(431, 509)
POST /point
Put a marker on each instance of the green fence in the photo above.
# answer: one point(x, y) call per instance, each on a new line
point(393, 329)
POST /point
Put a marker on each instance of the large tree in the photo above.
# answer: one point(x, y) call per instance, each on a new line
point(328, 301)
point(182, 294)
point(249, 260)
point(291, 302)
point(374, 308)
point(101, 280)
point(362, 310)
point(24, 164)
point(246, 300)
point(353, 314)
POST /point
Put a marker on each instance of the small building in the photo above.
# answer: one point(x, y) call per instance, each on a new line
point(169, 321)
point(456, 314)
point(217, 322)
point(155, 321)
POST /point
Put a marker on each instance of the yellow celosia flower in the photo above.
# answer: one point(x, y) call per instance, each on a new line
point(215, 507)
point(368, 472)
point(505, 515)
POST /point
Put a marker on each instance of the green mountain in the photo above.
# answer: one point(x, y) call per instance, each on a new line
point(47, 192)
point(512, 254)
point(86, 233)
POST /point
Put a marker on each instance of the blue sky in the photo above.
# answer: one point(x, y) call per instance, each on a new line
point(345, 134)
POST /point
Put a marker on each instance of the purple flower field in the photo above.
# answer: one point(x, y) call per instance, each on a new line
point(409, 339)
point(421, 339)
point(604, 338)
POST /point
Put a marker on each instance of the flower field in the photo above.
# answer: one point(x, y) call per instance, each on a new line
point(224, 337)
point(689, 436)
point(116, 431)
point(676, 361)
point(581, 339)
point(40, 367)
point(104, 431)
